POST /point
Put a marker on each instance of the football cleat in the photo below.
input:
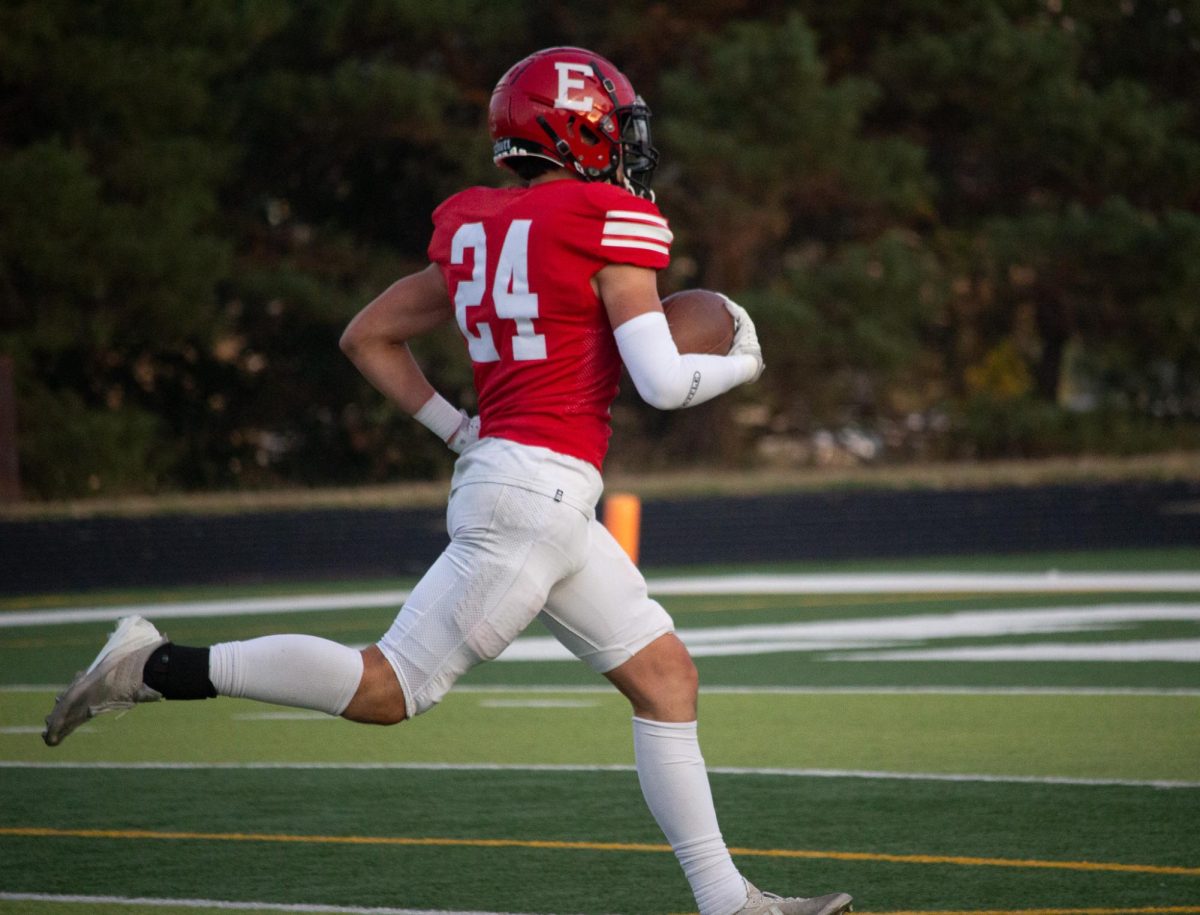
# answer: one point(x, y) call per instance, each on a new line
point(760, 903)
point(112, 682)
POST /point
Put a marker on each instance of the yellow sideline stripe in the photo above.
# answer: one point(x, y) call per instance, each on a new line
point(1149, 910)
point(50, 832)
point(968, 861)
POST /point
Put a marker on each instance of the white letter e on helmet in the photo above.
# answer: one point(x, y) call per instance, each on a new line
point(566, 84)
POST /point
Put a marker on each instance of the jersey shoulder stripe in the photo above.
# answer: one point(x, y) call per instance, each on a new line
point(615, 228)
point(638, 215)
point(633, 229)
point(631, 243)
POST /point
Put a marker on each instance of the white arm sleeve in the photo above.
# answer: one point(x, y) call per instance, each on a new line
point(670, 381)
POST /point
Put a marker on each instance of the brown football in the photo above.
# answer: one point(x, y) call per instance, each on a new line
point(699, 321)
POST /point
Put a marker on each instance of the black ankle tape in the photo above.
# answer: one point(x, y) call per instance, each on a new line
point(179, 672)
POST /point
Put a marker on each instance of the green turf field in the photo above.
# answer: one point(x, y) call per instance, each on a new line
point(927, 752)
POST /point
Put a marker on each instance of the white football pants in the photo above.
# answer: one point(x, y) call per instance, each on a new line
point(524, 543)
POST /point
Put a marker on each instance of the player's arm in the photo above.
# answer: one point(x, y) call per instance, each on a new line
point(376, 341)
point(663, 377)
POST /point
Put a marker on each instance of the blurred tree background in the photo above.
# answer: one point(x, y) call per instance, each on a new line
point(966, 229)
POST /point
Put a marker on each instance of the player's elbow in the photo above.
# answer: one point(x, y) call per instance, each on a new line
point(667, 393)
point(350, 342)
point(659, 400)
point(357, 339)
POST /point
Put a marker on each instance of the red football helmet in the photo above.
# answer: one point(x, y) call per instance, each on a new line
point(574, 108)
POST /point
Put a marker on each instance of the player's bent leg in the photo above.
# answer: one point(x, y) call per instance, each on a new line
point(139, 664)
point(379, 698)
point(604, 615)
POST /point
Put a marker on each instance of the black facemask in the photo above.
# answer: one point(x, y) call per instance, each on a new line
point(638, 155)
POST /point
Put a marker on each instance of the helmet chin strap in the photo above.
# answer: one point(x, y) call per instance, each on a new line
point(608, 85)
point(618, 175)
point(561, 146)
point(564, 151)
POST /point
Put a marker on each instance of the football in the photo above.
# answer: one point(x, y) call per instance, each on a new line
point(699, 322)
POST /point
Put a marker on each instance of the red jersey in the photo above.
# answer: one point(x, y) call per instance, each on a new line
point(518, 264)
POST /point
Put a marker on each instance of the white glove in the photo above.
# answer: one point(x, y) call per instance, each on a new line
point(467, 434)
point(745, 337)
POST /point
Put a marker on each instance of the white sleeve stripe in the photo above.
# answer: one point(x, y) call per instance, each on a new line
point(630, 243)
point(637, 230)
point(634, 214)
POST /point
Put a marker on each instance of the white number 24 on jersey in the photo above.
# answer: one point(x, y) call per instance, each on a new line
point(510, 291)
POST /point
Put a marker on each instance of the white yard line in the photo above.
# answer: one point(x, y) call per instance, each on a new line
point(204, 608)
point(780, 690)
point(928, 583)
point(862, 638)
point(160, 903)
point(865, 583)
point(513, 767)
point(1180, 651)
point(538, 703)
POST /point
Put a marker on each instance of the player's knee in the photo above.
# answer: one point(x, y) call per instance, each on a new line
point(379, 698)
point(683, 675)
point(672, 683)
point(376, 712)
point(676, 684)
point(383, 718)
point(660, 681)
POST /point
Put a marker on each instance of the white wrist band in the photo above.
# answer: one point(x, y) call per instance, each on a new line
point(439, 416)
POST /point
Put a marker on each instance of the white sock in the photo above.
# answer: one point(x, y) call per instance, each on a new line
point(675, 784)
point(298, 670)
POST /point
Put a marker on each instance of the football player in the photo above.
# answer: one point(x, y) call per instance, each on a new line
point(553, 285)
